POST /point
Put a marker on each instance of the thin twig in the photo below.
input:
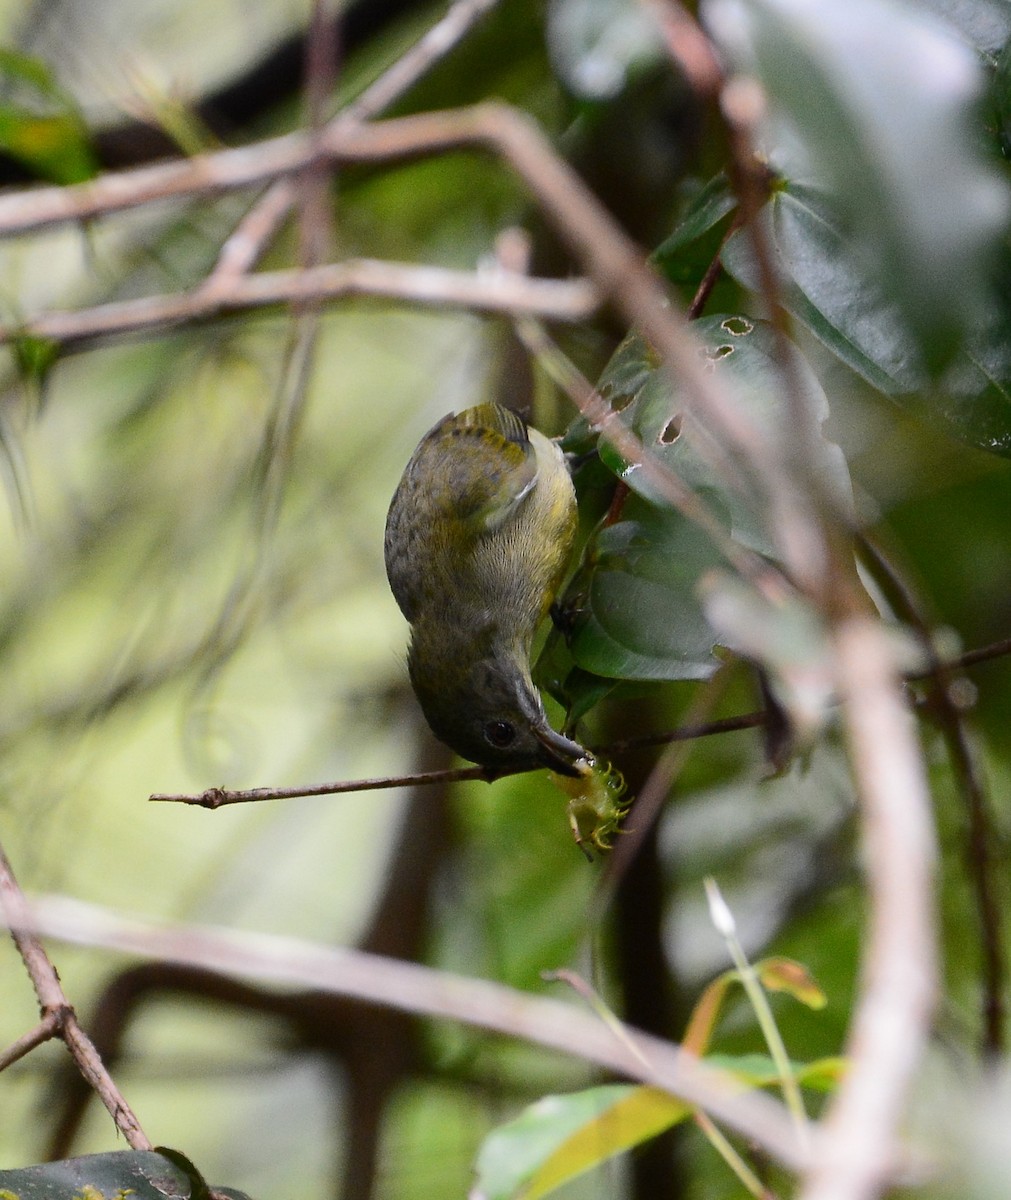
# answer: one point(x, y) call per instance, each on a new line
point(217, 797)
point(247, 242)
point(55, 1008)
point(433, 46)
point(688, 46)
point(411, 987)
point(47, 1028)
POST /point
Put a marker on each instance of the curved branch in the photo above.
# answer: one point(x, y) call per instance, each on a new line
point(411, 987)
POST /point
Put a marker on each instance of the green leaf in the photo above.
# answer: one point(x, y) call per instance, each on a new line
point(876, 102)
point(35, 357)
point(687, 252)
point(638, 616)
point(828, 289)
point(561, 1137)
point(744, 355)
point(137, 1174)
point(596, 44)
point(42, 127)
point(636, 605)
point(759, 1070)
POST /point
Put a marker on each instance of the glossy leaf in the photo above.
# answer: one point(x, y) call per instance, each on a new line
point(561, 1137)
point(636, 608)
point(594, 44)
point(744, 355)
point(638, 617)
point(695, 241)
point(875, 101)
point(139, 1174)
point(828, 288)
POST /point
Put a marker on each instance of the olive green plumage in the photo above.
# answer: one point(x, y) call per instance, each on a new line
point(478, 537)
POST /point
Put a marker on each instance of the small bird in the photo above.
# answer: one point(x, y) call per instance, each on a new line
point(478, 537)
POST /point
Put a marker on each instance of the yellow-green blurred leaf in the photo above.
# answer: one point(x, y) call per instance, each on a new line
point(561, 1137)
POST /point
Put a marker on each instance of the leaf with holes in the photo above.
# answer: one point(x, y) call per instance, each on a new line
point(746, 357)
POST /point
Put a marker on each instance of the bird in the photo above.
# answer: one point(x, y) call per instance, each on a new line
point(478, 537)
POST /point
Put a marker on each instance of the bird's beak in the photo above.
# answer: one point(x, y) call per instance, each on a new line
point(560, 754)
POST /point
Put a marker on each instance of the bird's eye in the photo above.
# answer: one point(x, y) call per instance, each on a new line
point(500, 733)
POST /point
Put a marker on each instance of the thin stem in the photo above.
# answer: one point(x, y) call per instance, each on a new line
point(726, 926)
point(721, 1144)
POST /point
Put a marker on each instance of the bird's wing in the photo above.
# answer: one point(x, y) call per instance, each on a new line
point(485, 466)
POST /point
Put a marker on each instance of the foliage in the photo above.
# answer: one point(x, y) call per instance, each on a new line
point(194, 592)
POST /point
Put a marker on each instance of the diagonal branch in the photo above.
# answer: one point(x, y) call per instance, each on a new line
point(57, 1011)
point(411, 987)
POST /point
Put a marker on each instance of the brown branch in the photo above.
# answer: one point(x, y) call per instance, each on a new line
point(431, 47)
point(244, 247)
point(230, 291)
point(413, 988)
point(688, 47)
point(217, 797)
point(57, 1011)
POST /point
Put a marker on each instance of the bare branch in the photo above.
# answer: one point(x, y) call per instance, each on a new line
point(433, 45)
point(46, 1030)
point(247, 243)
point(56, 1009)
point(411, 987)
point(553, 299)
point(899, 971)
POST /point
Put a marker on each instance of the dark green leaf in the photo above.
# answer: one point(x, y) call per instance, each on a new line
point(640, 617)
point(877, 102)
point(703, 221)
point(829, 289)
point(35, 357)
point(139, 1174)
